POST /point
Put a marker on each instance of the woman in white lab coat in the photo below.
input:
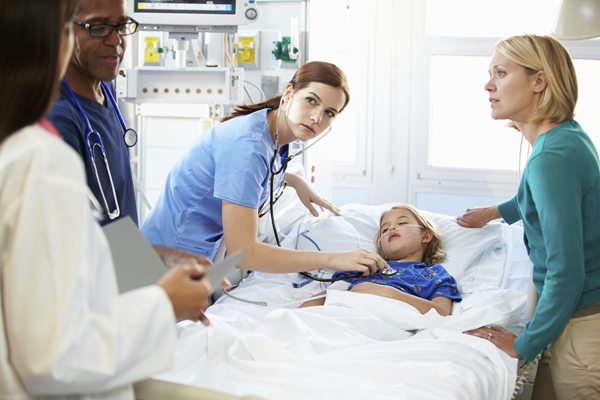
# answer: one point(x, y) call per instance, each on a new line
point(64, 330)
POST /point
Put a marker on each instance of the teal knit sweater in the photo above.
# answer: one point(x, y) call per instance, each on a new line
point(559, 203)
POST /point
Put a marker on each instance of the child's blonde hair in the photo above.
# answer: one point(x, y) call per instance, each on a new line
point(433, 252)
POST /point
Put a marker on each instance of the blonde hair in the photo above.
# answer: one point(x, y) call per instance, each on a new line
point(433, 252)
point(544, 53)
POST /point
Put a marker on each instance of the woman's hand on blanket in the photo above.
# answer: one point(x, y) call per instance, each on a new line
point(357, 260)
point(189, 290)
point(308, 196)
point(502, 338)
point(477, 217)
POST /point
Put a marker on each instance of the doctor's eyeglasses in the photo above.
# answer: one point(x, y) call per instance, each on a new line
point(103, 30)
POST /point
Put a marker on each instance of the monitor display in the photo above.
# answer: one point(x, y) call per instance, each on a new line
point(193, 15)
point(186, 6)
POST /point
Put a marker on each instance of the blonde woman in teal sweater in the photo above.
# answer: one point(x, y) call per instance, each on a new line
point(533, 84)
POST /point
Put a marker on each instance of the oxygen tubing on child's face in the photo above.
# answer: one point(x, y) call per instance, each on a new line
point(398, 230)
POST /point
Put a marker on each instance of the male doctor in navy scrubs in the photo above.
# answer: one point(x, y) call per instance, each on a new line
point(101, 28)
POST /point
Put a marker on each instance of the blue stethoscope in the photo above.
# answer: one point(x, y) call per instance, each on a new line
point(129, 137)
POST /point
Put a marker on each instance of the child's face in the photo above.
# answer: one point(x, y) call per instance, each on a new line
point(402, 237)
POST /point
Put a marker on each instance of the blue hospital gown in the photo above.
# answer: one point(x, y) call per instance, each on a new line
point(414, 278)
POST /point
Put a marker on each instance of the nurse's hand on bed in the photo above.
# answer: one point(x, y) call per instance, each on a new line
point(502, 338)
point(477, 217)
point(189, 297)
point(307, 195)
point(357, 260)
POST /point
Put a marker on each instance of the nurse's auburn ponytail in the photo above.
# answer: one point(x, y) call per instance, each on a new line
point(315, 71)
point(245, 109)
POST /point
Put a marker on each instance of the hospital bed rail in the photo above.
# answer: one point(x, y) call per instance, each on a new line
point(155, 389)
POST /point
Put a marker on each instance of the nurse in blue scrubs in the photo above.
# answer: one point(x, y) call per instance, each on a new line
point(216, 188)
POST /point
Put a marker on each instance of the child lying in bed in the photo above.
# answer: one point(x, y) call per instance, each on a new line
point(412, 247)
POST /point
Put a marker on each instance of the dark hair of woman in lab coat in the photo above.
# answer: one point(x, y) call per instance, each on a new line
point(314, 71)
point(29, 65)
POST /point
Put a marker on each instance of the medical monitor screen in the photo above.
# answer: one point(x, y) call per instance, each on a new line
point(210, 7)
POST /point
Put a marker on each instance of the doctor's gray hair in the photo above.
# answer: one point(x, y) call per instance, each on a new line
point(433, 252)
point(544, 53)
point(29, 66)
point(314, 71)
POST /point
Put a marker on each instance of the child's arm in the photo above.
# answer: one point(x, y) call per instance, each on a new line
point(316, 302)
point(443, 305)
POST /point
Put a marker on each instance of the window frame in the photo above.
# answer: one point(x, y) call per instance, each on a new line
point(358, 171)
point(422, 176)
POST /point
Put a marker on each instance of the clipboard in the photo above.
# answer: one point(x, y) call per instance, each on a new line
point(137, 264)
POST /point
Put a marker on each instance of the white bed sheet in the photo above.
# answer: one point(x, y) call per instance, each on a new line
point(362, 346)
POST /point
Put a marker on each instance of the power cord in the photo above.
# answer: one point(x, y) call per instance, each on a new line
point(527, 368)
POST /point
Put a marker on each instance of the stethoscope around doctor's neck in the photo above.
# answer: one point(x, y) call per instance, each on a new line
point(129, 137)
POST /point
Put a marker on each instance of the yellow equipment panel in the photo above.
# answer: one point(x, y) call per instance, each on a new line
point(247, 56)
point(151, 53)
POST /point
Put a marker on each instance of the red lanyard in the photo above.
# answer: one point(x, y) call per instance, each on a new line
point(47, 125)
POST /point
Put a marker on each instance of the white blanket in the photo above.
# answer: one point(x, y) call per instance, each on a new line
point(357, 346)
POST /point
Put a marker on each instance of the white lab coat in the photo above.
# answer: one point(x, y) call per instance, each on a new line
point(64, 330)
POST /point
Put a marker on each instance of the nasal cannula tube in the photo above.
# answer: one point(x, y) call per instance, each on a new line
point(397, 230)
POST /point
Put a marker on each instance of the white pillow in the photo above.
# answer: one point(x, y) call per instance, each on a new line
point(474, 255)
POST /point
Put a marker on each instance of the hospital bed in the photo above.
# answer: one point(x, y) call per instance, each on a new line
point(357, 346)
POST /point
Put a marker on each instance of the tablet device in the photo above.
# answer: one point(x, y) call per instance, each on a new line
point(218, 271)
point(138, 265)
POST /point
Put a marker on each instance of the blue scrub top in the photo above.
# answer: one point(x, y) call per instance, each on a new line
point(231, 162)
point(412, 277)
point(70, 123)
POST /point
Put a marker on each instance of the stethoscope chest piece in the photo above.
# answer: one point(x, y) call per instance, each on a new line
point(389, 272)
point(130, 137)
